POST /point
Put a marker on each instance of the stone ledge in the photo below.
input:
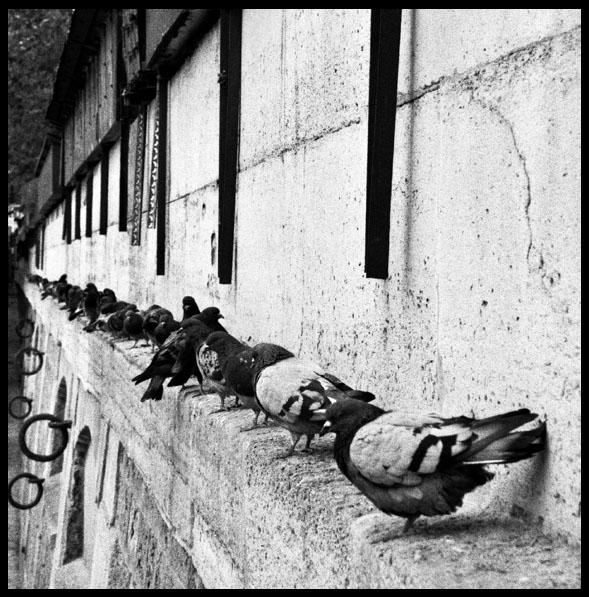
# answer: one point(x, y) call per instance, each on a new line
point(250, 520)
point(461, 552)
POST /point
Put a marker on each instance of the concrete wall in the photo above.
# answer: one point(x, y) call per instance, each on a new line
point(481, 310)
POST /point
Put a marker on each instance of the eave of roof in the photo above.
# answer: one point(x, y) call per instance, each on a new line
point(78, 47)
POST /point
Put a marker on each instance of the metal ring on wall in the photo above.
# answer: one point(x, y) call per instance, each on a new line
point(28, 407)
point(29, 350)
point(55, 423)
point(22, 324)
point(32, 479)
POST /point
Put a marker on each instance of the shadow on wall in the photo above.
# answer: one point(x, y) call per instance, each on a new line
point(74, 548)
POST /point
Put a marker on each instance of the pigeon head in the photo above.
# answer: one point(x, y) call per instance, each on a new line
point(210, 315)
point(223, 343)
point(266, 354)
point(166, 318)
point(189, 306)
point(348, 415)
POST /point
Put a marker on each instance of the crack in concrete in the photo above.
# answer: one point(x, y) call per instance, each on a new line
point(540, 266)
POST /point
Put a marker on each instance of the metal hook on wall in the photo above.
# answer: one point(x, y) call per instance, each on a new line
point(29, 351)
point(25, 411)
point(32, 479)
point(22, 325)
point(54, 423)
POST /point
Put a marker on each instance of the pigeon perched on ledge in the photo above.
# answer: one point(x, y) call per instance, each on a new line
point(151, 321)
point(235, 361)
point(190, 359)
point(423, 465)
point(133, 326)
point(295, 392)
point(166, 325)
point(55, 287)
point(160, 367)
point(91, 302)
point(189, 308)
point(75, 303)
point(107, 301)
point(175, 359)
point(209, 316)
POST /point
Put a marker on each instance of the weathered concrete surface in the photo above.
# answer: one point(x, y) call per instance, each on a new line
point(465, 552)
point(481, 310)
point(14, 454)
point(180, 478)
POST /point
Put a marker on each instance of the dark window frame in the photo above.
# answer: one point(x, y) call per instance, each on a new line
point(43, 245)
point(230, 104)
point(124, 176)
point(382, 107)
point(162, 174)
point(89, 201)
point(67, 216)
point(78, 208)
point(104, 167)
point(38, 249)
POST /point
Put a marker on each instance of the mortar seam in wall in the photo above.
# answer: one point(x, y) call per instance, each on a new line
point(299, 144)
point(412, 96)
point(409, 98)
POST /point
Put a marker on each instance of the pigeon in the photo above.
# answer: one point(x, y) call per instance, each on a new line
point(91, 299)
point(236, 361)
point(295, 392)
point(107, 310)
point(133, 326)
point(61, 292)
point(43, 284)
point(151, 321)
point(190, 359)
point(422, 465)
point(162, 364)
point(167, 324)
point(107, 299)
point(35, 279)
point(189, 308)
point(50, 288)
point(107, 307)
point(114, 322)
point(75, 302)
point(209, 316)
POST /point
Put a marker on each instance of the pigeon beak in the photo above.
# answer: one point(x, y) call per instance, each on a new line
point(325, 429)
point(221, 316)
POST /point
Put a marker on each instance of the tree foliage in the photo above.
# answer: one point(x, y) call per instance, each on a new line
point(36, 37)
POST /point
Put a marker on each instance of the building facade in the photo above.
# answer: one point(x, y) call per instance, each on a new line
point(420, 241)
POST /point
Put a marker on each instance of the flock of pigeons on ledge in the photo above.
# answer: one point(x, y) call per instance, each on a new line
point(409, 465)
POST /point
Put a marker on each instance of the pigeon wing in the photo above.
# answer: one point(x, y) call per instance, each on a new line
point(397, 449)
